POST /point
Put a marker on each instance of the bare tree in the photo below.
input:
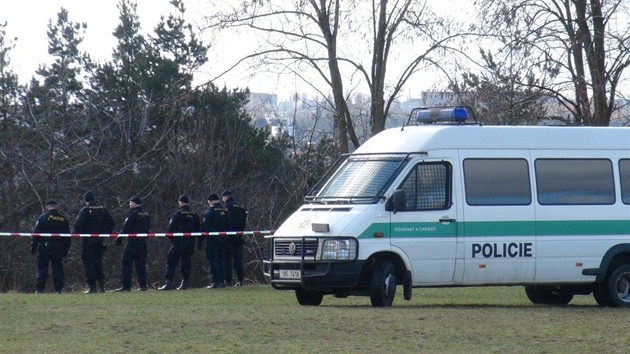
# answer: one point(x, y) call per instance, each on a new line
point(585, 42)
point(347, 43)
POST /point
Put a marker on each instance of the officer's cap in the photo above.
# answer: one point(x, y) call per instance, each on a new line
point(88, 197)
point(183, 198)
point(136, 200)
point(213, 196)
point(226, 192)
point(51, 202)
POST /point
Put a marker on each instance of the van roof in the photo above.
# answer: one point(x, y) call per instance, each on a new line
point(432, 137)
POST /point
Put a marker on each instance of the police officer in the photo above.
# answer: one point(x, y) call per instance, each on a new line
point(93, 219)
point(216, 219)
point(51, 249)
point(138, 221)
point(182, 247)
point(234, 249)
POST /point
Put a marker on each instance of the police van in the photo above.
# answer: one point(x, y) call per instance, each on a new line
point(444, 203)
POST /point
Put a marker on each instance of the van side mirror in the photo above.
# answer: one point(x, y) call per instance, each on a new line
point(397, 202)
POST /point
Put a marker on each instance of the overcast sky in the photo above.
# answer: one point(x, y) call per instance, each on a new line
point(28, 21)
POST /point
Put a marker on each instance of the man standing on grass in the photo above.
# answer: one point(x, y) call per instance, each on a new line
point(182, 247)
point(51, 249)
point(235, 243)
point(216, 219)
point(93, 219)
point(138, 221)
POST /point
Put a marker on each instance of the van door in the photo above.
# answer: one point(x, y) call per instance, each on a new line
point(426, 232)
point(499, 230)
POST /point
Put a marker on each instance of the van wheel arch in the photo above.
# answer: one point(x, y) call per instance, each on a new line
point(615, 256)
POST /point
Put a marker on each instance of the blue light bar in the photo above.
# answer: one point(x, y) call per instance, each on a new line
point(456, 114)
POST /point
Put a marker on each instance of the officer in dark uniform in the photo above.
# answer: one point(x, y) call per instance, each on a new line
point(234, 249)
point(216, 219)
point(182, 247)
point(138, 221)
point(93, 219)
point(51, 249)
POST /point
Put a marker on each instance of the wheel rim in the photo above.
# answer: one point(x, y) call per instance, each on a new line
point(623, 287)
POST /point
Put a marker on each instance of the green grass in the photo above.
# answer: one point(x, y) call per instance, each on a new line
point(258, 319)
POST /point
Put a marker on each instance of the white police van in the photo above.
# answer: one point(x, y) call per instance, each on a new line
point(459, 204)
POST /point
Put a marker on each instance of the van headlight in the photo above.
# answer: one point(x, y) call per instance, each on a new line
point(338, 249)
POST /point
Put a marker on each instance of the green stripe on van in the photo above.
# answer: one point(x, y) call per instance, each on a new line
point(608, 227)
point(501, 228)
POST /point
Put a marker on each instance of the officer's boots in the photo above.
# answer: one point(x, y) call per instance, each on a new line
point(167, 285)
point(183, 285)
point(91, 288)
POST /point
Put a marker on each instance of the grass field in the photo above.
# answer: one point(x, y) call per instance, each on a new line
point(258, 319)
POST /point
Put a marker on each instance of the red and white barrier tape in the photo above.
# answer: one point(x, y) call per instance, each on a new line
point(149, 234)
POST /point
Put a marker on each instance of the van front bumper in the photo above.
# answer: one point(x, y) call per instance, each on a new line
point(314, 276)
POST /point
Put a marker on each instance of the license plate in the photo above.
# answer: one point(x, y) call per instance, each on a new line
point(289, 274)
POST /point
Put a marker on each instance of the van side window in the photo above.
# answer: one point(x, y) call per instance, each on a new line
point(427, 187)
point(497, 182)
point(575, 181)
point(624, 176)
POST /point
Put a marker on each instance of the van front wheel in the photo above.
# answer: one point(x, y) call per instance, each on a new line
point(383, 285)
point(308, 298)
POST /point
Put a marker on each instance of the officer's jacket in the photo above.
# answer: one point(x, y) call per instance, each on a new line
point(138, 221)
point(94, 218)
point(52, 222)
point(184, 220)
point(216, 219)
point(238, 214)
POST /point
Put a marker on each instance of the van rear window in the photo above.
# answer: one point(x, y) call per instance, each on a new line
point(575, 181)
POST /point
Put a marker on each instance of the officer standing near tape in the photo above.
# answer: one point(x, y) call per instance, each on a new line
point(51, 249)
point(182, 247)
point(138, 221)
point(234, 249)
point(93, 219)
point(216, 219)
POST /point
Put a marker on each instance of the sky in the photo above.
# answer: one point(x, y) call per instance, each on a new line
point(27, 20)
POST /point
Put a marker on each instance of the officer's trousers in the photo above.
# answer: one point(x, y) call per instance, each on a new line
point(135, 253)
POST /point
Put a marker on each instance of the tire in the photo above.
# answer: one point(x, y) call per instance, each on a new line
point(383, 284)
point(308, 298)
point(601, 295)
point(548, 295)
point(530, 291)
point(616, 287)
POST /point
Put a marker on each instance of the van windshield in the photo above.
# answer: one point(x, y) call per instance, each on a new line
point(360, 179)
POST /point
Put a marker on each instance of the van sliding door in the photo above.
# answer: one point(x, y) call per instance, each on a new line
point(499, 230)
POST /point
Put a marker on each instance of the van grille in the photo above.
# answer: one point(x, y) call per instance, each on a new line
point(295, 248)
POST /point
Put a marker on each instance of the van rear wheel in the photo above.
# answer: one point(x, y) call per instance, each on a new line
point(383, 285)
point(615, 289)
point(308, 298)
